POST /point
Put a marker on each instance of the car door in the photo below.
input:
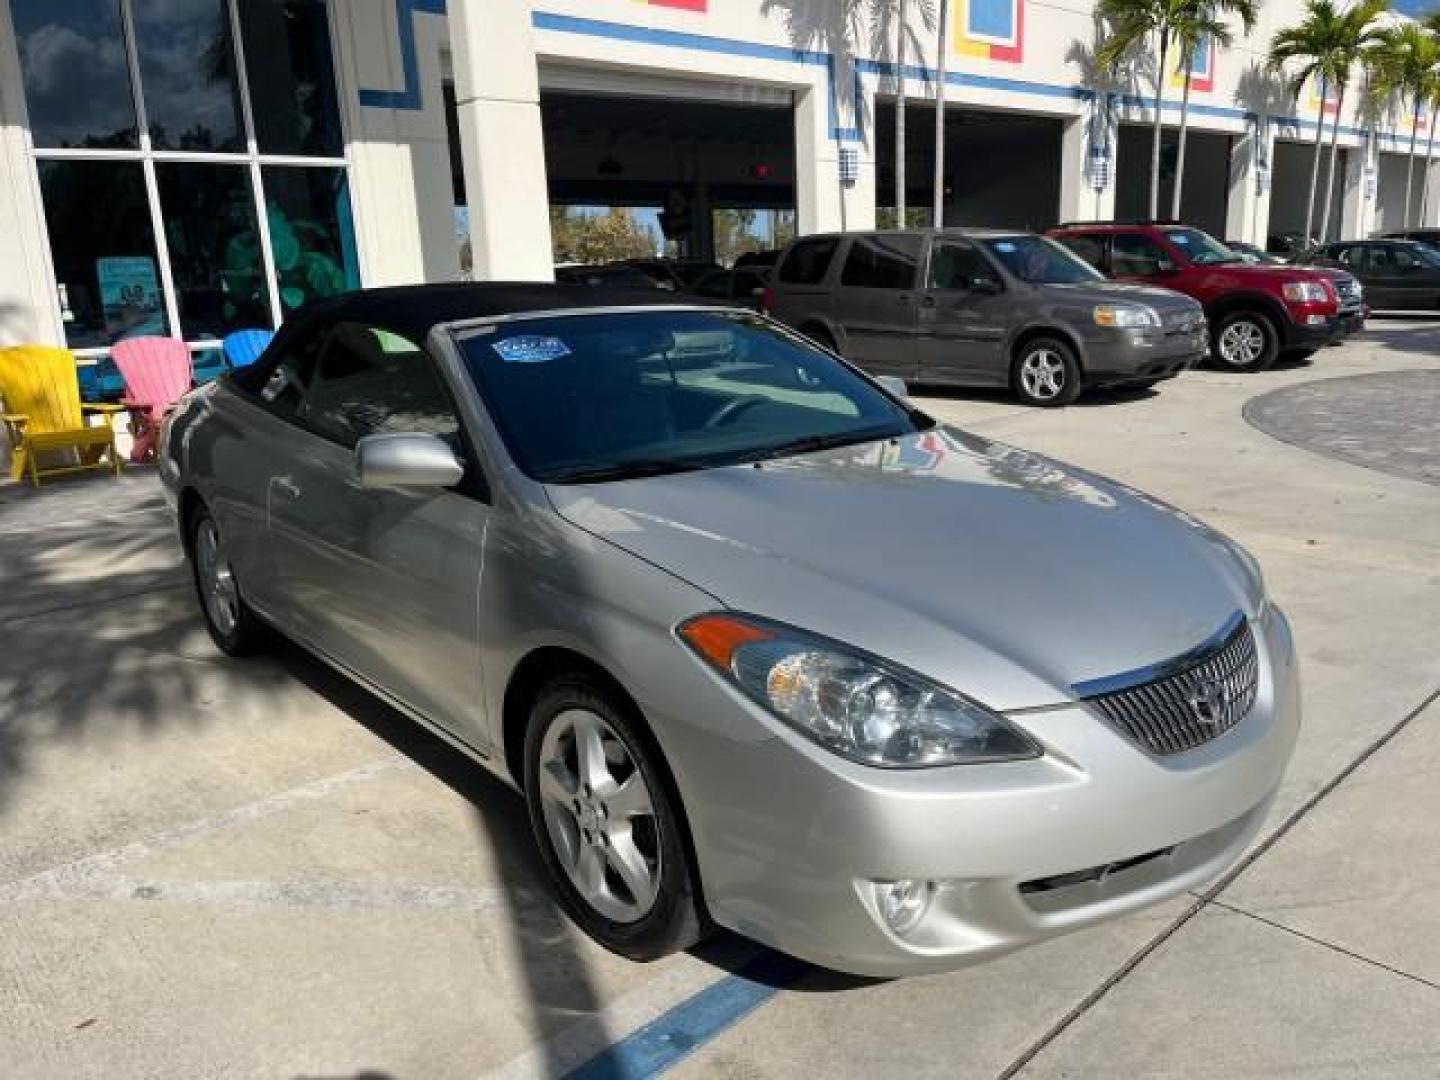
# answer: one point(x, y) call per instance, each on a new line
point(964, 317)
point(389, 579)
point(1405, 278)
point(1385, 283)
point(875, 302)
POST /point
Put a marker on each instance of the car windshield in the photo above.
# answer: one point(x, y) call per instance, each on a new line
point(1202, 249)
point(589, 397)
point(1039, 261)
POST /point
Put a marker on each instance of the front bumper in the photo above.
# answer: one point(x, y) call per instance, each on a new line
point(1122, 356)
point(788, 836)
point(1311, 335)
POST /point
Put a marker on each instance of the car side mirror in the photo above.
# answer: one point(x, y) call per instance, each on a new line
point(409, 460)
point(894, 385)
point(985, 286)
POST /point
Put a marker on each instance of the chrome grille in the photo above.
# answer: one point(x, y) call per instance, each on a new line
point(1198, 698)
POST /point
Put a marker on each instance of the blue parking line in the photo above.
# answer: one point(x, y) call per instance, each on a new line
point(650, 1050)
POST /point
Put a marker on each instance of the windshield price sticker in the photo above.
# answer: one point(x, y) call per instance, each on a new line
point(1180, 238)
point(531, 349)
point(1005, 246)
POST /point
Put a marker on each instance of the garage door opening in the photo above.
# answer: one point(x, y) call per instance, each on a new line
point(1204, 198)
point(1390, 192)
point(1290, 167)
point(1001, 169)
point(646, 166)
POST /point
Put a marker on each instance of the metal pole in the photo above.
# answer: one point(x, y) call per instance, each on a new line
point(900, 116)
point(937, 213)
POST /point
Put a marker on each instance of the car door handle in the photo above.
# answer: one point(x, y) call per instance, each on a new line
point(286, 487)
point(927, 301)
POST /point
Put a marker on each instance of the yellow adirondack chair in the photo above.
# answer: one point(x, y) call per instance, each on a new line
point(43, 415)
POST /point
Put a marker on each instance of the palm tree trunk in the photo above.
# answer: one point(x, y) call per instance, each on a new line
point(900, 117)
point(1315, 163)
point(1410, 161)
point(1334, 153)
point(1156, 132)
point(1180, 150)
point(1429, 158)
point(937, 215)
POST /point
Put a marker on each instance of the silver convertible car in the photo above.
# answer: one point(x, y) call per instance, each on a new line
point(762, 644)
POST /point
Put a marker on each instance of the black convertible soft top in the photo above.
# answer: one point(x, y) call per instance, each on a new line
point(413, 310)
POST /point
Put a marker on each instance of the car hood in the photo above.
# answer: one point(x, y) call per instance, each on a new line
point(1003, 573)
point(1103, 292)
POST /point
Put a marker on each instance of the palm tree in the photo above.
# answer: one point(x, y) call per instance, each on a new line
point(1131, 24)
point(1406, 58)
point(1319, 45)
point(1431, 22)
point(1204, 22)
point(1362, 30)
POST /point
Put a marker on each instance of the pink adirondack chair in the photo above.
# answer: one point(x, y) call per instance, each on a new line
point(156, 371)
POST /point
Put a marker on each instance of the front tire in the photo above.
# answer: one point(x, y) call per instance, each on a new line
point(1246, 341)
point(233, 627)
point(1046, 373)
point(602, 814)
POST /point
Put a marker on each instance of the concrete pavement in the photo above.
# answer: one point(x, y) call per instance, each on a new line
point(221, 868)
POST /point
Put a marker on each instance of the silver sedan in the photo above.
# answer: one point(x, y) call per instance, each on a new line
point(762, 644)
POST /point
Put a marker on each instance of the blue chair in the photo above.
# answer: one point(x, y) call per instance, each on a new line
point(243, 347)
point(208, 365)
point(100, 380)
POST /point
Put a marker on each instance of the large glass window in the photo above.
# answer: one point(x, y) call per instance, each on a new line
point(175, 205)
point(215, 260)
point(310, 233)
point(188, 71)
point(77, 79)
point(292, 82)
point(882, 261)
point(106, 273)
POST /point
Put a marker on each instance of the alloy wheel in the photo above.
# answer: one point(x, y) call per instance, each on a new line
point(217, 581)
point(1242, 343)
point(599, 815)
point(1042, 373)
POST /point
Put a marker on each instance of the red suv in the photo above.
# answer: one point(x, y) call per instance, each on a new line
point(1256, 313)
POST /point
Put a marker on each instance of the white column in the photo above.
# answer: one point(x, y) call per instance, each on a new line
point(502, 148)
point(1247, 213)
point(824, 201)
point(1087, 164)
point(29, 308)
point(1357, 207)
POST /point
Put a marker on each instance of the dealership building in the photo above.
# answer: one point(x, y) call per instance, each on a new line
point(193, 167)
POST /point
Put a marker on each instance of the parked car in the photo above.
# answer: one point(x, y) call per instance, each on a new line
point(762, 644)
point(1256, 313)
point(765, 259)
point(678, 275)
point(1424, 236)
point(1348, 290)
point(973, 307)
point(614, 276)
point(745, 285)
point(1397, 274)
point(1287, 244)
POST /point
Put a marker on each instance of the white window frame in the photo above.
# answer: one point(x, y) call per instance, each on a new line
point(254, 161)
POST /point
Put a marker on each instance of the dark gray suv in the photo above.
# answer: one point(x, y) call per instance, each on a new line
point(979, 307)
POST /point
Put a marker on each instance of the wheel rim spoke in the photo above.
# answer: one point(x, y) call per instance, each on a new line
point(630, 866)
point(628, 800)
point(590, 753)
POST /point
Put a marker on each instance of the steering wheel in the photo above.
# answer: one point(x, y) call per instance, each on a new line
point(733, 408)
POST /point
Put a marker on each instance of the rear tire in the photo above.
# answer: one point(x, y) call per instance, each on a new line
point(233, 626)
point(1045, 373)
point(1246, 341)
point(608, 828)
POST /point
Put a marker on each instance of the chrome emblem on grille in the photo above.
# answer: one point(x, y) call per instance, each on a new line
point(1210, 700)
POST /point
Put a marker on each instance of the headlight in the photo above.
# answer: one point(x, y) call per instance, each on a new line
point(1125, 317)
point(857, 705)
point(1303, 292)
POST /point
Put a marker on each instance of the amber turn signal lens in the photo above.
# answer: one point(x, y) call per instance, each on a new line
point(716, 637)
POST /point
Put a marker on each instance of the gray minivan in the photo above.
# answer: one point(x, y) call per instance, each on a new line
point(982, 307)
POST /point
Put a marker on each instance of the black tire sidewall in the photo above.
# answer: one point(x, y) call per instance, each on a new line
point(674, 922)
point(1267, 330)
point(1068, 393)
